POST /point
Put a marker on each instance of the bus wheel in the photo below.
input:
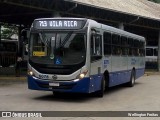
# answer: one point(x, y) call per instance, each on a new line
point(100, 93)
point(55, 93)
point(132, 79)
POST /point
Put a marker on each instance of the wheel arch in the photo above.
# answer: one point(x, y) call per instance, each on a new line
point(134, 70)
point(106, 77)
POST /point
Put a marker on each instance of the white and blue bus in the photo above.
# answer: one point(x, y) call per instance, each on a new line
point(82, 56)
point(151, 53)
point(151, 57)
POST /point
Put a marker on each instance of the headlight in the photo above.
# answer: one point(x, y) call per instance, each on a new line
point(30, 73)
point(82, 75)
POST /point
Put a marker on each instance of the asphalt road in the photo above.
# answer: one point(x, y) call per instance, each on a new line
point(144, 96)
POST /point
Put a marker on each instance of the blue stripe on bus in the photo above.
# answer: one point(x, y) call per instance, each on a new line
point(140, 72)
point(120, 77)
point(82, 86)
point(86, 85)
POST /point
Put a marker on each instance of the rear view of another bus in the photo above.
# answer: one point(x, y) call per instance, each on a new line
point(151, 57)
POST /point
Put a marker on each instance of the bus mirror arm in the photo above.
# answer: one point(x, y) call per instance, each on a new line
point(27, 32)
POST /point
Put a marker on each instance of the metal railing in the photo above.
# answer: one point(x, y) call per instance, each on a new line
point(8, 59)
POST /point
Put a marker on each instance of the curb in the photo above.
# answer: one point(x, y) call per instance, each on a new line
point(151, 73)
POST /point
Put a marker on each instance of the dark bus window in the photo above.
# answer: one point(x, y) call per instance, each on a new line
point(149, 52)
point(116, 39)
point(124, 41)
point(131, 45)
point(141, 44)
point(107, 49)
point(125, 50)
point(116, 45)
point(107, 43)
point(130, 42)
point(136, 43)
point(116, 50)
point(132, 51)
point(155, 52)
point(142, 52)
point(107, 38)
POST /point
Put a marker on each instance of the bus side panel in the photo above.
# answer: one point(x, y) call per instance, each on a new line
point(95, 84)
point(139, 72)
point(120, 73)
point(120, 77)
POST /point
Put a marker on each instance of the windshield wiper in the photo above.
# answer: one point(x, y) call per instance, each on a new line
point(66, 39)
point(44, 40)
point(40, 35)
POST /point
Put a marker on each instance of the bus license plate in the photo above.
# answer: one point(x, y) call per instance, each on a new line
point(54, 84)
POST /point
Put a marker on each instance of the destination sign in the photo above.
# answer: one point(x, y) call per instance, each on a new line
point(58, 24)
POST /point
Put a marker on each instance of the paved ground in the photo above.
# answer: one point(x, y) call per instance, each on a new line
point(144, 96)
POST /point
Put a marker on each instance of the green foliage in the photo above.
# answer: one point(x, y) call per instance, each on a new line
point(156, 1)
point(7, 31)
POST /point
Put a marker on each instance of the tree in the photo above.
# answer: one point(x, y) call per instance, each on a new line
point(156, 1)
point(7, 31)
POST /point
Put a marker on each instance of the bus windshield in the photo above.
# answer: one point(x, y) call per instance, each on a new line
point(60, 48)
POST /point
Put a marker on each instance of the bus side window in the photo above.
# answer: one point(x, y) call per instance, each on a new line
point(107, 38)
point(149, 52)
point(156, 52)
point(116, 45)
point(96, 47)
point(124, 45)
point(131, 47)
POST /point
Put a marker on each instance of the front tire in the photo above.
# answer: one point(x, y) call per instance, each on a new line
point(100, 93)
point(55, 93)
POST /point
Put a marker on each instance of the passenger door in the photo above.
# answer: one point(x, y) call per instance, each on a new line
point(96, 61)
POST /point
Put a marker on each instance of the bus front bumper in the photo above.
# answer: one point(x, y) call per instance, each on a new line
point(79, 86)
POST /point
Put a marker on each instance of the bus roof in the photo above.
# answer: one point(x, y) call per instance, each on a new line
point(116, 30)
point(122, 32)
